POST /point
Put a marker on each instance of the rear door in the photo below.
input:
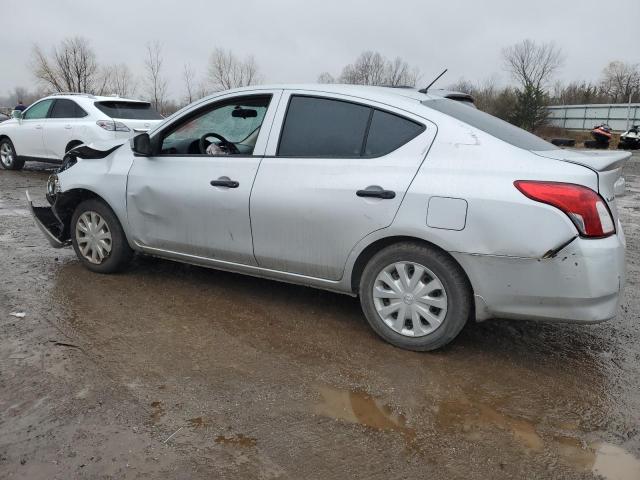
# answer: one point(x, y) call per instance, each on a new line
point(62, 126)
point(336, 170)
point(27, 137)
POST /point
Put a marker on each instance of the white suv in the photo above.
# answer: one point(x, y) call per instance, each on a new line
point(53, 125)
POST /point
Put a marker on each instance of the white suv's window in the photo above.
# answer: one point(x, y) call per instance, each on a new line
point(39, 110)
point(65, 108)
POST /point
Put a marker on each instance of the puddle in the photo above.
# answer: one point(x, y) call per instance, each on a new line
point(158, 411)
point(361, 408)
point(600, 458)
point(197, 422)
point(238, 440)
point(473, 418)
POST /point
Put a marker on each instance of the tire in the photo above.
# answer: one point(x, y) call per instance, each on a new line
point(449, 286)
point(116, 253)
point(8, 157)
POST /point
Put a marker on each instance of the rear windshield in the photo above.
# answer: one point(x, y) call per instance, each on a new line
point(129, 110)
point(490, 124)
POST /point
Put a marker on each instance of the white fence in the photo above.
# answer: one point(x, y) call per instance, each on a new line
point(584, 117)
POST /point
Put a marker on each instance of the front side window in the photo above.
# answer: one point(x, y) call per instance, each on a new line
point(228, 128)
point(65, 108)
point(38, 111)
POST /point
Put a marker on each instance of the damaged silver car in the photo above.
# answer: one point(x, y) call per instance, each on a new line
point(431, 212)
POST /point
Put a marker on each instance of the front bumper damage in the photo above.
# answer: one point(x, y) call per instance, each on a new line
point(48, 222)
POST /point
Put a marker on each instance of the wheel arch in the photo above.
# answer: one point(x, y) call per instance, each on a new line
point(374, 247)
point(72, 144)
point(66, 203)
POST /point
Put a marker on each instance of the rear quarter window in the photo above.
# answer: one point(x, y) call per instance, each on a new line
point(128, 110)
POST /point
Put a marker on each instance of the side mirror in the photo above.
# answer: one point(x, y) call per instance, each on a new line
point(17, 114)
point(141, 145)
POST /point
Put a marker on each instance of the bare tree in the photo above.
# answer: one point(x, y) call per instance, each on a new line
point(532, 65)
point(326, 77)
point(228, 71)
point(620, 81)
point(399, 74)
point(119, 80)
point(372, 68)
point(188, 75)
point(71, 67)
point(155, 82)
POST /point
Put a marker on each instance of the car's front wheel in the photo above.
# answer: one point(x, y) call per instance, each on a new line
point(415, 297)
point(8, 157)
point(98, 238)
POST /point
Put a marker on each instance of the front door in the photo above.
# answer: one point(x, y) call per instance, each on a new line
point(27, 137)
point(192, 198)
point(337, 172)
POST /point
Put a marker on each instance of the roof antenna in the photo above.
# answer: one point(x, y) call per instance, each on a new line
point(426, 89)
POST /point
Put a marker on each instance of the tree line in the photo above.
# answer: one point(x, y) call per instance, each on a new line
point(72, 66)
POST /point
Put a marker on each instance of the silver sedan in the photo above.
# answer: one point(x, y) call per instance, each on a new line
point(430, 211)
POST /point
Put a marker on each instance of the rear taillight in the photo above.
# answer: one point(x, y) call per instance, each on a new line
point(586, 209)
point(112, 126)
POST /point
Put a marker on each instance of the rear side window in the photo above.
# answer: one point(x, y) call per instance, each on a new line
point(492, 125)
point(319, 127)
point(128, 110)
point(389, 132)
point(64, 108)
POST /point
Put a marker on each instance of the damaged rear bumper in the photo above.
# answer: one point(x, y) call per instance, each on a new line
point(49, 224)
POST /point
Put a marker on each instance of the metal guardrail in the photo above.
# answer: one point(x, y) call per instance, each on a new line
point(619, 116)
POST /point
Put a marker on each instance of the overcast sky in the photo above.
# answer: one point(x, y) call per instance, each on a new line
point(294, 41)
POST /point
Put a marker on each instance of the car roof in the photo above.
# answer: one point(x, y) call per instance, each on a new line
point(374, 93)
point(95, 98)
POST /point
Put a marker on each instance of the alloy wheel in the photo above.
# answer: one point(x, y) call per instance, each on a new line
point(6, 155)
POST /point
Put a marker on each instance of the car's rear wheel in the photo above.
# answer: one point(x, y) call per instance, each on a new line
point(98, 238)
point(8, 157)
point(415, 297)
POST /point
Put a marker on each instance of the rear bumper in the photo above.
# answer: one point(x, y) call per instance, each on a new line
point(581, 284)
point(48, 223)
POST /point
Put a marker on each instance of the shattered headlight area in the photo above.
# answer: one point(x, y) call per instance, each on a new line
point(53, 188)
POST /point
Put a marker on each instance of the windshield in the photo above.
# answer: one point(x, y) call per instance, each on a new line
point(128, 110)
point(492, 125)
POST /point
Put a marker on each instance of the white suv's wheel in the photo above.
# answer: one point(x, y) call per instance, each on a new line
point(8, 157)
point(415, 297)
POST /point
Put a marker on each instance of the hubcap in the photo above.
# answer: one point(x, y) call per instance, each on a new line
point(93, 237)
point(410, 299)
point(6, 155)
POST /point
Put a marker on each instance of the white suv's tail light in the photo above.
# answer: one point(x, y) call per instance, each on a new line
point(586, 209)
point(113, 126)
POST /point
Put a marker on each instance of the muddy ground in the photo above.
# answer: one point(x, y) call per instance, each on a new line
point(174, 371)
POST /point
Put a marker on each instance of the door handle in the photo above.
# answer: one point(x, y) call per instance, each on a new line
point(376, 193)
point(224, 182)
point(39, 127)
point(68, 127)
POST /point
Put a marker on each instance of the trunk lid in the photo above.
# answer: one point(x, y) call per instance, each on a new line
point(607, 165)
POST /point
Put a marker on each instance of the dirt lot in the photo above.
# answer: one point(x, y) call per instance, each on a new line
point(173, 371)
